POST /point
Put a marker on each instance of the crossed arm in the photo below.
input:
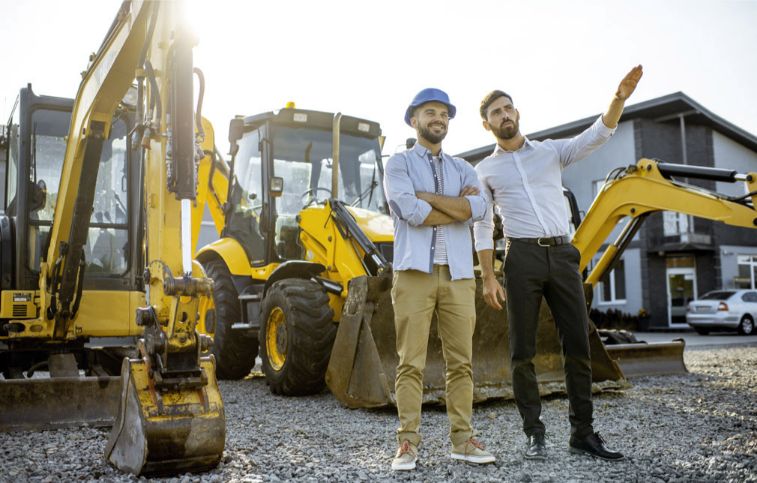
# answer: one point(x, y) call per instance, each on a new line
point(448, 209)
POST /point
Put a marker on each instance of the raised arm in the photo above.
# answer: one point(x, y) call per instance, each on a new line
point(579, 147)
point(625, 89)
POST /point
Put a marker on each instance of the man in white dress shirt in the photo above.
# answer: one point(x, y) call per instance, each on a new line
point(523, 179)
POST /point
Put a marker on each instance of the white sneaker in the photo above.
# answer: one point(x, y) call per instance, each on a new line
point(472, 451)
point(407, 455)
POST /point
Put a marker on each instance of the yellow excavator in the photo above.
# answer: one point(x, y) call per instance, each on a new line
point(107, 259)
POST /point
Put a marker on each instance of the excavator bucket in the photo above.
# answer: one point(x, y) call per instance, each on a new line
point(160, 432)
point(363, 363)
point(58, 402)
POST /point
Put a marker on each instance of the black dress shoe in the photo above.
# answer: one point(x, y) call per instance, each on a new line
point(593, 445)
point(537, 449)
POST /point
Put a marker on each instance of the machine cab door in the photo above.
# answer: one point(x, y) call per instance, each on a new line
point(244, 210)
point(33, 177)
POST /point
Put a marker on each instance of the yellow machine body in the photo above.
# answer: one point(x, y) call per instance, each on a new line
point(168, 410)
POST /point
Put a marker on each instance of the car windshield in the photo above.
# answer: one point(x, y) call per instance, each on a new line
point(718, 295)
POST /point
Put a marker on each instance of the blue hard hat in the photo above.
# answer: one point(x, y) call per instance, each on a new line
point(429, 95)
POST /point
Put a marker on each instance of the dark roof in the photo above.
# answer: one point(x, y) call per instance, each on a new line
point(660, 109)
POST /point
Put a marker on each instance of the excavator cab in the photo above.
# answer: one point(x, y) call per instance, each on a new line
point(88, 362)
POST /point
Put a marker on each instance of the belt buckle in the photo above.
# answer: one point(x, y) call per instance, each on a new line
point(538, 241)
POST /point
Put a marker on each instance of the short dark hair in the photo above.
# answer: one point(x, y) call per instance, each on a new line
point(489, 99)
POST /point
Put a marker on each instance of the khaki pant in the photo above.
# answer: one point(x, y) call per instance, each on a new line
point(416, 296)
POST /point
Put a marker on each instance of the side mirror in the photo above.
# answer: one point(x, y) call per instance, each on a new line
point(277, 186)
point(236, 130)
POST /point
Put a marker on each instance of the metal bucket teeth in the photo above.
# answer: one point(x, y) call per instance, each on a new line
point(166, 432)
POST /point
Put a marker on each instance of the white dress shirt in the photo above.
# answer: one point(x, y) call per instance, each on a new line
point(526, 185)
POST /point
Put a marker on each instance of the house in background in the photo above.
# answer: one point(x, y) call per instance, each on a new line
point(674, 257)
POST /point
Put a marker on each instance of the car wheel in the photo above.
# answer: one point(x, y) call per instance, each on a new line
point(702, 331)
point(746, 326)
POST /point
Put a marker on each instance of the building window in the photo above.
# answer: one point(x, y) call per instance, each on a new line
point(612, 287)
point(747, 277)
point(675, 223)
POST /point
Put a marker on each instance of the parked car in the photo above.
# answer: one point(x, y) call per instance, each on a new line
point(724, 310)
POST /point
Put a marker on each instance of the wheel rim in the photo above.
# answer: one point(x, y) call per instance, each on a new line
point(276, 338)
point(747, 326)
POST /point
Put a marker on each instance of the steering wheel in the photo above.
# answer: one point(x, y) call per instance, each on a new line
point(312, 192)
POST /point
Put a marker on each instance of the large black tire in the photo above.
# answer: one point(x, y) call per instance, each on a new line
point(235, 352)
point(702, 330)
point(746, 325)
point(296, 337)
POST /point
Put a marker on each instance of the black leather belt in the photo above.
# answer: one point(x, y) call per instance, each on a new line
point(545, 241)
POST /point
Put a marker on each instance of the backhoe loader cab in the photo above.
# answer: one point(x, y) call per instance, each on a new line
point(305, 214)
point(296, 146)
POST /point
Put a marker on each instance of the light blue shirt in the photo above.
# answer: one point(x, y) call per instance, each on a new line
point(526, 185)
point(413, 171)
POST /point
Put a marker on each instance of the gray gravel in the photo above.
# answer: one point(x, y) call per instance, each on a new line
point(697, 427)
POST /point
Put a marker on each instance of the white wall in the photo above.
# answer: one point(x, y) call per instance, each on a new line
point(731, 155)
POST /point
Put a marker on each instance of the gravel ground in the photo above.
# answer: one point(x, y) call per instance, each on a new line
point(697, 427)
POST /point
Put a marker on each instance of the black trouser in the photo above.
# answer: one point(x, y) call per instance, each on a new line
point(532, 271)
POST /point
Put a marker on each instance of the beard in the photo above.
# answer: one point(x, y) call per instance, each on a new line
point(432, 137)
point(507, 131)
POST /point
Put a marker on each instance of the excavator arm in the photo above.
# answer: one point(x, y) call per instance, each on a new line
point(170, 415)
point(646, 188)
point(102, 88)
point(633, 193)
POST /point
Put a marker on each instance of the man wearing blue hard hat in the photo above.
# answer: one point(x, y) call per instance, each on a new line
point(433, 198)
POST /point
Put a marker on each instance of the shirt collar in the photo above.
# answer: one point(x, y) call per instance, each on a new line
point(423, 152)
point(498, 149)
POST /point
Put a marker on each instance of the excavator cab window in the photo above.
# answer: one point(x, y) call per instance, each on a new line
point(47, 140)
point(106, 250)
point(11, 158)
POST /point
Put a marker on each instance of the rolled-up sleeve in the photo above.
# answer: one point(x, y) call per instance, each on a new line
point(477, 202)
point(483, 229)
point(401, 194)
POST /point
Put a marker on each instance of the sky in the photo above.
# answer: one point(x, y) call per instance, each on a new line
point(560, 60)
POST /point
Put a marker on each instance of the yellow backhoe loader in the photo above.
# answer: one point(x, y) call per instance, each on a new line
point(127, 180)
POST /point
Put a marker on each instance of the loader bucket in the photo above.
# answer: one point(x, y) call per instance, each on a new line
point(58, 402)
point(363, 361)
point(656, 359)
point(168, 431)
